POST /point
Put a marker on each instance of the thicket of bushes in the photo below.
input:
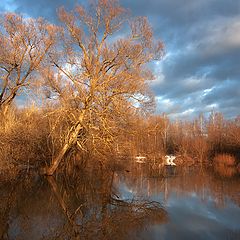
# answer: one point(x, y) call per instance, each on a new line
point(24, 139)
point(32, 137)
point(201, 140)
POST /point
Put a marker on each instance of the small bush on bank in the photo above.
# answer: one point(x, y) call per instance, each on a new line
point(225, 159)
point(225, 165)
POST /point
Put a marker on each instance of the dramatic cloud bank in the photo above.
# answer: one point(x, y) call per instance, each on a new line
point(201, 69)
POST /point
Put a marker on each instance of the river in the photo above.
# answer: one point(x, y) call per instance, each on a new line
point(132, 201)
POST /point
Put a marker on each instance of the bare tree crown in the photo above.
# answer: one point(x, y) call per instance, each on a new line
point(24, 44)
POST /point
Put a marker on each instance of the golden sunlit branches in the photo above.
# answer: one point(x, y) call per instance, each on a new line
point(24, 44)
point(99, 72)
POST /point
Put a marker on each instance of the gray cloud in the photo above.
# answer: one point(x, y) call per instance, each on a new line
point(204, 54)
point(202, 38)
point(228, 92)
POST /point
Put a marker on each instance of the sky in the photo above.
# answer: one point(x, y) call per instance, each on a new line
point(200, 71)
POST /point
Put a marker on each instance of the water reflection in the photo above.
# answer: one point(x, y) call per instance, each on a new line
point(194, 180)
point(77, 206)
point(200, 204)
point(127, 201)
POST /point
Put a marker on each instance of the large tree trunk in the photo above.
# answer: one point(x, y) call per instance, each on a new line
point(54, 165)
point(73, 138)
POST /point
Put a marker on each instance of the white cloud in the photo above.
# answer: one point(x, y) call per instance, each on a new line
point(207, 91)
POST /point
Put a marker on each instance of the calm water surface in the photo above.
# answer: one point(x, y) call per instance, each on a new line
point(132, 202)
point(199, 205)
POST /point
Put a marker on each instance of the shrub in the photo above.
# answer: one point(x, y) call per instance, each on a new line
point(225, 165)
point(24, 140)
point(225, 159)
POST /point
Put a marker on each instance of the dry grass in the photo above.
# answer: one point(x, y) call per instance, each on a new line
point(225, 165)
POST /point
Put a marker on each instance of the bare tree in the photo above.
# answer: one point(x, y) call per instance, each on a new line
point(100, 72)
point(24, 44)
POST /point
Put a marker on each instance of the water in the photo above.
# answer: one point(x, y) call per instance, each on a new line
point(200, 204)
point(135, 201)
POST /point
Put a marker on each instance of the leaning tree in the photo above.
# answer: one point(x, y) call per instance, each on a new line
point(100, 73)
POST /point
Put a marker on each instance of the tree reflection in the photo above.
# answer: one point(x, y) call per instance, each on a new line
point(104, 203)
point(82, 205)
point(101, 214)
point(199, 180)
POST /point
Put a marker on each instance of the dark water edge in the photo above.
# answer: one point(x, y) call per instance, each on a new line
point(127, 201)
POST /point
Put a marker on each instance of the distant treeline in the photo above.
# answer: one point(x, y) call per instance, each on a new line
point(201, 138)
